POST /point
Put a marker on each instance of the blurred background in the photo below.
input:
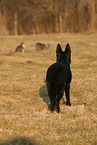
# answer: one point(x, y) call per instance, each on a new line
point(24, 17)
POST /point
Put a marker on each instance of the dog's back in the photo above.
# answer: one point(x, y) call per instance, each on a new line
point(57, 75)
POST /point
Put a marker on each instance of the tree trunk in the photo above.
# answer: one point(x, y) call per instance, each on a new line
point(60, 23)
point(93, 15)
point(15, 24)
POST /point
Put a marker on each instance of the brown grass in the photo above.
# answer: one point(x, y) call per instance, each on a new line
point(24, 115)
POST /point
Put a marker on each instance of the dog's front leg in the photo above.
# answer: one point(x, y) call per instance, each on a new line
point(67, 93)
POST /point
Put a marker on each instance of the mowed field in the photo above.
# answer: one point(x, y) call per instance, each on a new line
point(24, 115)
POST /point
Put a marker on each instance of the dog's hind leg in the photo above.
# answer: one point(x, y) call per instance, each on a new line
point(52, 103)
point(52, 96)
point(67, 93)
point(59, 96)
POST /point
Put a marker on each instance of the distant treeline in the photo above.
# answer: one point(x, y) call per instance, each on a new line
point(47, 16)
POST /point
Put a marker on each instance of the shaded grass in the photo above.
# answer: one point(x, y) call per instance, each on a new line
point(24, 114)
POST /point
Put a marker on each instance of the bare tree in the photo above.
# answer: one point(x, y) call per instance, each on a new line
point(48, 16)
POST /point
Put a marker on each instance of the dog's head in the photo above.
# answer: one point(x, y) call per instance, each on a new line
point(65, 56)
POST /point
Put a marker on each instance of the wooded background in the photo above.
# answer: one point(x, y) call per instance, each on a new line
point(47, 16)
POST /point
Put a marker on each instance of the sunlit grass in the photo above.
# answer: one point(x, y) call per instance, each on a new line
point(24, 114)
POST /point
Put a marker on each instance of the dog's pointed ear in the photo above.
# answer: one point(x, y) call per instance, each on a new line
point(67, 48)
point(68, 51)
point(59, 48)
point(58, 51)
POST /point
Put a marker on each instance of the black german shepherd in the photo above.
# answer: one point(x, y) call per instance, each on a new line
point(58, 79)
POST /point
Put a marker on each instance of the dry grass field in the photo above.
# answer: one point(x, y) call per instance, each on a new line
point(24, 115)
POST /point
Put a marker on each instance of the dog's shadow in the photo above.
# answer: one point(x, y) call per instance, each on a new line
point(43, 94)
point(20, 141)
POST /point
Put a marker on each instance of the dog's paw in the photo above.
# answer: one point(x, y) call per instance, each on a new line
point(68, 103)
